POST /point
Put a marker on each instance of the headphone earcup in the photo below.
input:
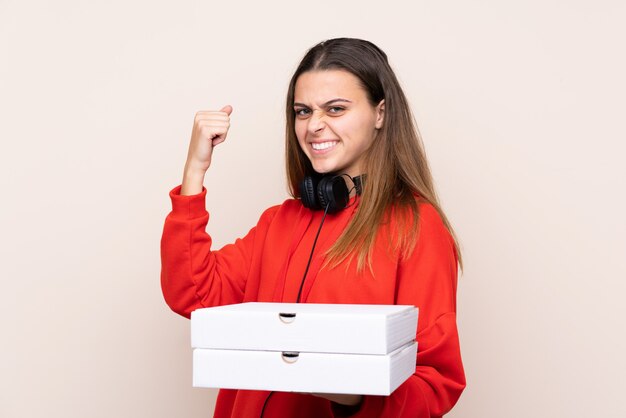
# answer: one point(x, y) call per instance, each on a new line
point(308, 191)
point(332, 191)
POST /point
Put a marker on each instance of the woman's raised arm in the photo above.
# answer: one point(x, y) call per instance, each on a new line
point(209, 129)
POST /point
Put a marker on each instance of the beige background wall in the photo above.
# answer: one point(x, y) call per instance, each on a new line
point(521, 105)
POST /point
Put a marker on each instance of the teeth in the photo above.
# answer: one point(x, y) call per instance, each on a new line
point(322, 145)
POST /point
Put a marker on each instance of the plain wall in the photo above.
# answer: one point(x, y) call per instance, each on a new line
point(521, 107)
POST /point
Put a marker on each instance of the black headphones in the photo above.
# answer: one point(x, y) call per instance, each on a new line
point(318, 192)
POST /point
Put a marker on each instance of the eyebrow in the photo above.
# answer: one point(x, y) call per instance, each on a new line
point(328, 103)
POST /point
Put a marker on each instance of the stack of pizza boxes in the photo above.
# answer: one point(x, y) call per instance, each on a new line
point(302, 347)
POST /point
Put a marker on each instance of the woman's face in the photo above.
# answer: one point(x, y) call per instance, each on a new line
point(334, 121)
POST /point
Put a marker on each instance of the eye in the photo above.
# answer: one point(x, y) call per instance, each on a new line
point(302, 112)
point(335, 109)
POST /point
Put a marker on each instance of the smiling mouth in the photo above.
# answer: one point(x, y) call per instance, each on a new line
point(322, 146)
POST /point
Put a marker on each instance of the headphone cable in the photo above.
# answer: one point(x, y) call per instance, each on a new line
point(265, 403)
point(308, 264)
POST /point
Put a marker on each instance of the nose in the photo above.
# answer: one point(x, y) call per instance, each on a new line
point(316, 122)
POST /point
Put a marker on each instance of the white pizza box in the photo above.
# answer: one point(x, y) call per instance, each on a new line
point(308, 327)
point(363, 374)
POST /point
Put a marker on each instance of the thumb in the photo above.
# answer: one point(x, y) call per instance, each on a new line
point(228, 109)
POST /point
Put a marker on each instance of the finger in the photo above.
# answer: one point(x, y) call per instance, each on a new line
point(212, 134)
point(228, 109)
point(211, 116)
point(225, 112)
point(210, 112)
point(218, 140)
point(213, 123)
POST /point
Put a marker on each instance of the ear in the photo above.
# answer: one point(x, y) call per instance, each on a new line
point(380, 114)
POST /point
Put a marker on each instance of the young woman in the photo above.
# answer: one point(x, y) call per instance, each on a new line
point(359, 179)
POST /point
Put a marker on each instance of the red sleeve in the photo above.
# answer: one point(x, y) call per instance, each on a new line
point(427, 279)
point(192, 275)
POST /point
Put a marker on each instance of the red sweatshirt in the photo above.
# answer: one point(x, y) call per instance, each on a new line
point(267, 265)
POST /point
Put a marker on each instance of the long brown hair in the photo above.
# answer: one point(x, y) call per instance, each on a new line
point(395, 163)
